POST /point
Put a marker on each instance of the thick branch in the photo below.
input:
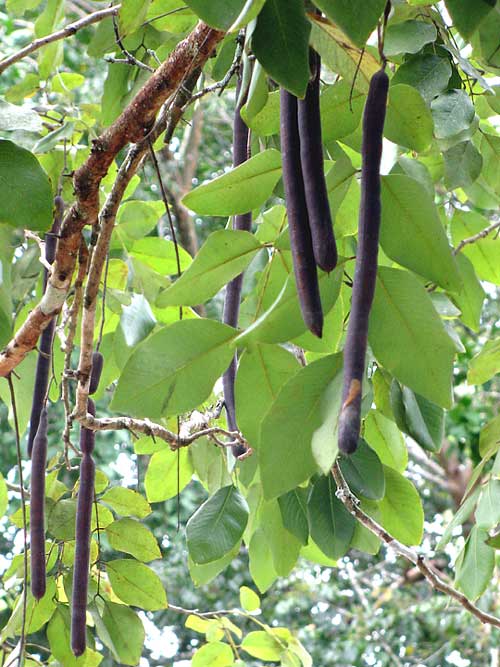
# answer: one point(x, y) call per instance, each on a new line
point(352, 504)
point(67, 31)
point(131, 126)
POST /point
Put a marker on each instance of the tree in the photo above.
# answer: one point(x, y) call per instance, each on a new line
point(117, 128)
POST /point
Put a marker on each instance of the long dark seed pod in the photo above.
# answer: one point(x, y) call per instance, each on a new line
point(304, 265)
point(95, 376)
point(37, 509)
point(87, 436)
point(241, 153)
point(311, 157)
point(365, 274)
point(45, 346)
point(82, 555)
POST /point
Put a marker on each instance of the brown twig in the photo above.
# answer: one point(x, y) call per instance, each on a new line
point(67, 31)
point(476, 237)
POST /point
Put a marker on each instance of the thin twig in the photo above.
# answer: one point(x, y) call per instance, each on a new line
point(67, 31)
point(476, 237)
point(129, 58)
point(350, 501)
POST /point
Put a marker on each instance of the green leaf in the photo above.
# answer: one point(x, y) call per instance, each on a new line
point(261, 561)
point(214, 654)
point(429, 74)
point(284, 546)
point(160, 255)
point(341, 109)
point(364, 473)
point(204, 574)
point(357, 18)
point(174, 370)
point(283, 321)
point(137, 320)
point(267, 121)
point(408, 37)
point(224, 255)
point(280, 42)
point(408, 121)
point(293, 508)
point(488, 507)
point(486, 364)
point(240, 190)
point(471, 297)
point(210, 465)
point(25, 191)
point(489, 438)
point(476, 567)
point(249, 12)
point(220, 14)
point(133, 538)
point(217, 525)
point(268, 367)
point(421, 355)
point(462, 165)
point(289, 426)
point(421, 419)
point(125, 631)
point(58, 635)
point(131, 15)
point(483, 253)
point(401, 512)
point(61, 520)
point(13, 117)
point(453, 112)
point(249, 600)
point(136, 584)
point(162, 481)
point(137, 218)
point(467, 16)
point(126, 502)
point(262, 645)
point(4, 500)
point(413, 235)
point(461, 516)
point(330, 523)
point(384, 438)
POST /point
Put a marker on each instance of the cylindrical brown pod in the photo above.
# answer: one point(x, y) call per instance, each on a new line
point(82, 555)
point(243, 222)
point(304, 264)
point(87, 436)
point(311, 157)
point(37, 509)
point(365, 273)
point(44, 361)
point(95, 376)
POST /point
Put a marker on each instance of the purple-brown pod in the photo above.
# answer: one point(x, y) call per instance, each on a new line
point(311, 157)
point(95, 375)
point(304, 264)
point(87, 436)
point(82, 556)
point(37, 509)
point(365, 273)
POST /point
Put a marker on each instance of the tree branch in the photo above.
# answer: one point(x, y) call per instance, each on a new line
point(477, 237)
point(67, 31)
point(350, 501)
point(134, 123)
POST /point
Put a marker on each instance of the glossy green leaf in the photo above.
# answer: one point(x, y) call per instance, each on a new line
point(20, 174)
point(429, 74)
point(401, 512)
point(408, 37)
point(136, 584)
point(240, 190)
point(289, 426)
point(125, 631)
point(225, 254)
point(174, 370)
point(453, 112)
point(364, 473)
point(408, 121)
point(217, 525)
point(293, 508)
point(384, 438)
point(262, 645)
point(413, 235)
point(330, 523)
point(58, 635)
point(160, 255)
point(341, 109)
point(462, 165)
point(419, 418)
point(218, 14)
point(260, 561)
point(214, 654)
point(475, 568)
point(204, 574)
point(467, 16)
point(284, 546)
point(126, 502)
point(133, 538)
point(483, 253)
point(268, 367)
point(421, 354)
point(357, 18)
point(488, 507)
point(486, 364)
point(280, 42)
point(167, 474)
point(249, 599)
